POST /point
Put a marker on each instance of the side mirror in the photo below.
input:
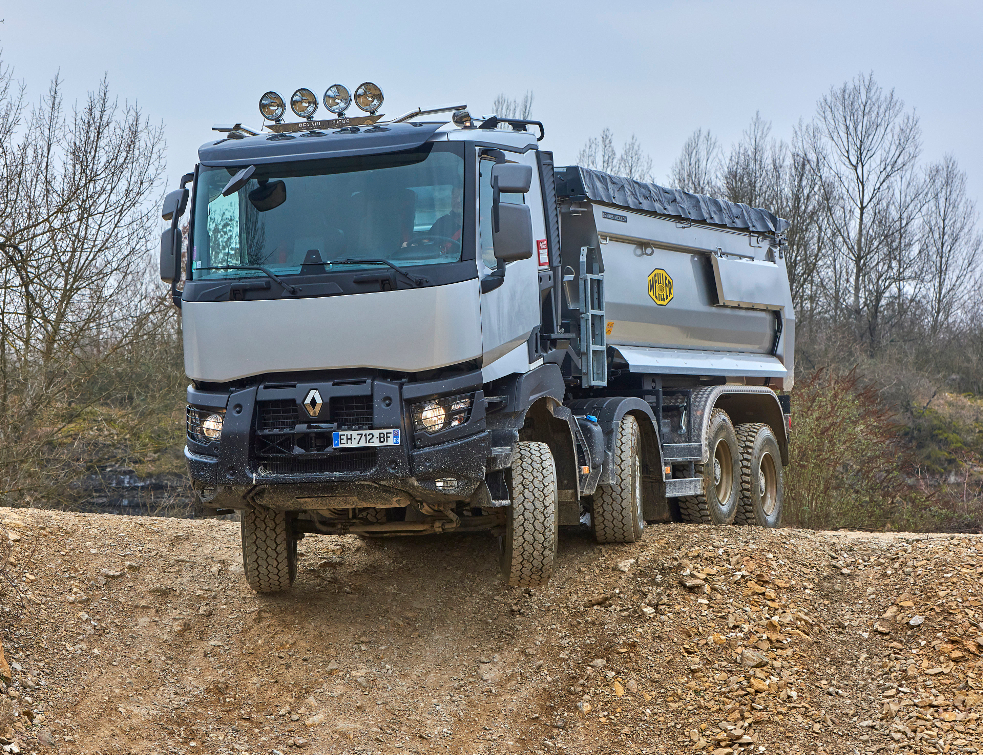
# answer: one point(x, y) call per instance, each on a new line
point(239, 180)
point(512, 178)
point(513, 237)
point(175, 203)
point(170, 255)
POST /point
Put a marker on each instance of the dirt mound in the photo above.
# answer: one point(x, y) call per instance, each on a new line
point(139, 635)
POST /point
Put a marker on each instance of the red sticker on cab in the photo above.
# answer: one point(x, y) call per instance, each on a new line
point(544, 255)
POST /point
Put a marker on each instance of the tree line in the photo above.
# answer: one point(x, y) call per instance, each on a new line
point(883, 251)
point(82, 320)
point(883, 248)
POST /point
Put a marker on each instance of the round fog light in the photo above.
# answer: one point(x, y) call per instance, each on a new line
point(337, 99)
point(368, 97)
point(304, 103)
point(271, 106)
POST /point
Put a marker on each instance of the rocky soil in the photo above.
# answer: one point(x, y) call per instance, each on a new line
point(139, 635)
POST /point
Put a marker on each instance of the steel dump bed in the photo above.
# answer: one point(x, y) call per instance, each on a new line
point(692, 285)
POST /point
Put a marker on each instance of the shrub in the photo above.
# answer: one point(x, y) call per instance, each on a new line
point(847, 459)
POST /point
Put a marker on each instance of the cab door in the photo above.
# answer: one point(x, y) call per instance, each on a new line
point(510, 312)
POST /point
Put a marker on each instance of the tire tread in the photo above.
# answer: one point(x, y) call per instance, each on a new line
point(268, 557)
point(747, 439)
point(695, 509)
point(746, 435)
point(529, 558)
point(614, 514)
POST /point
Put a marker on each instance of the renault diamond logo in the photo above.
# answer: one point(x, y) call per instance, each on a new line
point(313, 403)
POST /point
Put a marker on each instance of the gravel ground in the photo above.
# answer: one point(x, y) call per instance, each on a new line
point(139, 635)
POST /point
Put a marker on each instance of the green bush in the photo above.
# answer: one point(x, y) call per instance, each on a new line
point(847, 460)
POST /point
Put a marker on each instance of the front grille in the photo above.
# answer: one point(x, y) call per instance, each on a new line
point(362, 460)
point(282, 445)
point(278, 415)
point(274, 445)
point(352, 412)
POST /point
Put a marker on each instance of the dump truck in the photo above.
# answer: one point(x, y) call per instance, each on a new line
point(422, 325)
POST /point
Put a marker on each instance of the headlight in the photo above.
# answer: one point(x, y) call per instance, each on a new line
point(205, 425)
point(271, 106)
point(368, 97)
point(212, 426)
point(442, 413)
point(431, 417)
point(337, 99)
point(304, 103)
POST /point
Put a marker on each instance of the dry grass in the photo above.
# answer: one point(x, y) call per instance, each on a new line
point(846, 457)
point(857, 463)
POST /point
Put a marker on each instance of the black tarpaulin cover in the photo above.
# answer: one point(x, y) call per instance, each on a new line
point(579, 183)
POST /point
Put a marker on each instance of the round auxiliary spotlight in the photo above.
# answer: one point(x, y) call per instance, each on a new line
point(368, 97)
point(271, 106)
point(304, 103)
point(337, 99)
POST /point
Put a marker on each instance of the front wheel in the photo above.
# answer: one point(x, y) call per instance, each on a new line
point(528, 547)
point(762, 480)
point(269, 553)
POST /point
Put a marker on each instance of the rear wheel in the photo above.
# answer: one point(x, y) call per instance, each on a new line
point(762, 480)
point(617, 511)
point(269, 553)
point(721, 476)
point(528, 547)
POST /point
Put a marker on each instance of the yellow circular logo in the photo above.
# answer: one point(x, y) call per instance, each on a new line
point(660, 287)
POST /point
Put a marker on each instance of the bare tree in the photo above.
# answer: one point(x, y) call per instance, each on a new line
point(862, 143)
point(507, 107)
point(890, 284)
point(950, 244)
point(600, 153)
point(77, 221)
point(796, 197)
point(633, 162)
point(753, 169)
point(696, 168)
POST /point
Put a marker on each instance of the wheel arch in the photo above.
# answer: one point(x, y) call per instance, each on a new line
point(609, 413)
point(742, 404)
point(549, 422)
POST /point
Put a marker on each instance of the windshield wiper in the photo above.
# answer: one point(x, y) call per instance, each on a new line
point(287, 287)
point(415, 280)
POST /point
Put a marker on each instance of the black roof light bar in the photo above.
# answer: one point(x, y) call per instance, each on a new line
point(517, 124)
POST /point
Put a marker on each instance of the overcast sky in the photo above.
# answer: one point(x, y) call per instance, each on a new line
point(657, 69)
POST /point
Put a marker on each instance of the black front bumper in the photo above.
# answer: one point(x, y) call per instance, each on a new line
point(296, 459)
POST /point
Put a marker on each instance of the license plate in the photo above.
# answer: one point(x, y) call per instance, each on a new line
point(356, 438)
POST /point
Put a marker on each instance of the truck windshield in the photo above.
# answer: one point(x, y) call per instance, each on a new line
point(406, 208)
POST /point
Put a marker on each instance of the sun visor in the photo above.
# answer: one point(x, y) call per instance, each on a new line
point(346, 142)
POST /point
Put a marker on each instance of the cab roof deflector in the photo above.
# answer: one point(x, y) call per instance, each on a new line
point(344, 142)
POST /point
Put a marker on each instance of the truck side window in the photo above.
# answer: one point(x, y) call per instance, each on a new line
point(486, 246)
